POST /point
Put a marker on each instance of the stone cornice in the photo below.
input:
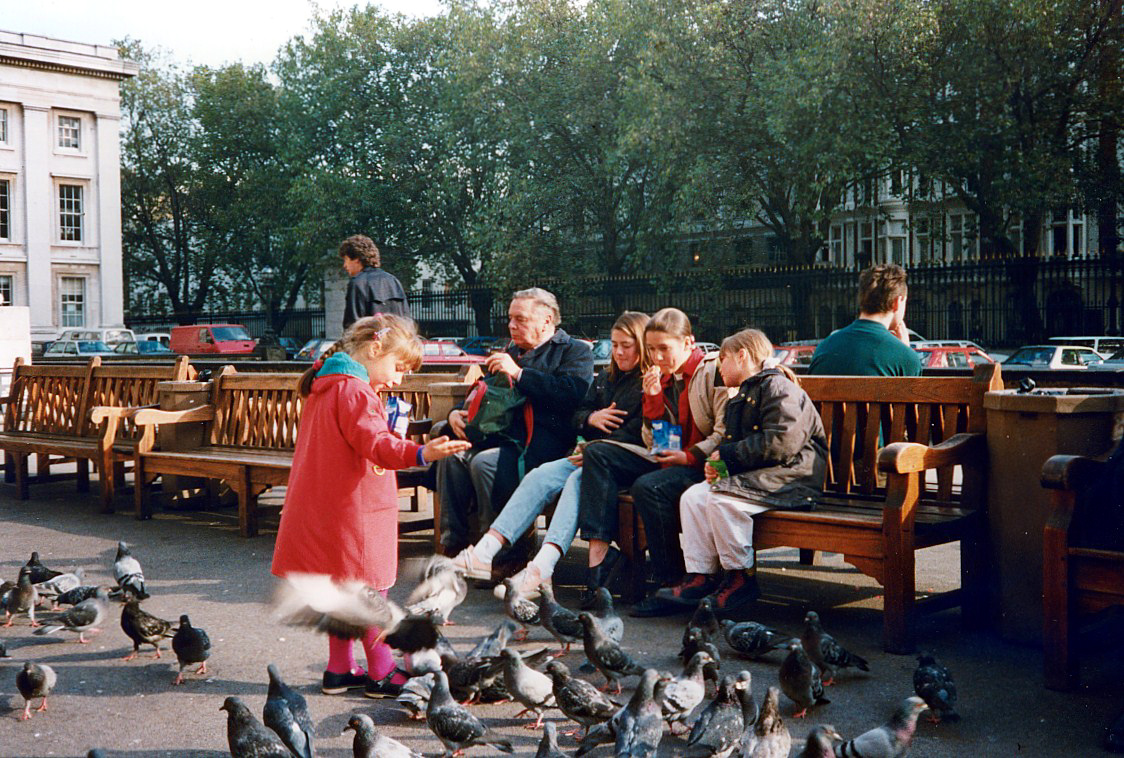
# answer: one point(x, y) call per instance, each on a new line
point(46, 54)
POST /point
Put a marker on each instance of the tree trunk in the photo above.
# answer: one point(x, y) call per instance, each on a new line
point(481, 299)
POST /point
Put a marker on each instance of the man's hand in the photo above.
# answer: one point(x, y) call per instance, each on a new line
point(897, 328)
point(503, 363)
point(442, 447)
point(575, 460)
point(672, 457)
point(457, 421)
point(607, 419)
point(651, 381)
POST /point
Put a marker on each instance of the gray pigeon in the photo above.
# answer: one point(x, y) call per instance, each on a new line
point(548, 746)
point(191, 645)
point(369, 743)
point(142, 627)
point(246, 736)
point(55, 586)
point(800, 680)
point(37, 571)
point(82, 618)
point(892, 739)
point(4, 650)
point(933, 683)
point(578, 699)
point(453, 724)
point(34, 680)
point(751, 639)
point(611, 622)
point(76, 595)
point(519, 609)
point(607, 656)
point(719, 727)
point(561, 622)
point(769, 738)
point(286, 713)
point(640, 727)
point(704, 618)
point(22, 598)
point(490, 646)
point(684, 693)
point(693, 639)
point(744, 688)
point(825, 651)
point(532, 689)
point(415, 695)
point(820, 742)
point(127, 571)
point(441, 590)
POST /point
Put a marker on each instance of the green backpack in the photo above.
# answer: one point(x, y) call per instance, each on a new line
point(491, 408)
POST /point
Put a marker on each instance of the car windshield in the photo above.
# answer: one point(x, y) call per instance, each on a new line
point(129, 347)
point(1117, 356)
point(147, 346)
point(602, 348)
point(93, 346)
point(230, 333)
point(1030, 355)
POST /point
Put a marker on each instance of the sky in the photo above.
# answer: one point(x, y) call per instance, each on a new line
point(210, 32)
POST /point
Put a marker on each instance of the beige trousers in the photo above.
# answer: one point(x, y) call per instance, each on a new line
point(716, 530)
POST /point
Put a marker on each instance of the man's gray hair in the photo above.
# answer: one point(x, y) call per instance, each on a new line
point(543, 298)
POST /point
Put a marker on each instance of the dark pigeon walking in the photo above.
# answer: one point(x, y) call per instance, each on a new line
point(611, 622)
point(191, 645)
point(76, 595)
point(286, 713)
point(933, 683)
point(34, 680)
point(826, 652)
point(561, 622)
point(684, 693)
point(751, 639)
point(142, 627)
point(607, 656)
point(892, 739)
point(370, 743)
point(719, 727)
point(246, 736)
point(519, 609)
point(800, 680)
point(635, 728)
point(581, 701)
point(22, 598)
point(37, 571)
point(548, 745)
point(82, 618)
point(821, 742)
point(454, 725)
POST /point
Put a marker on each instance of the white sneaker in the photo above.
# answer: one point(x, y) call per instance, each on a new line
point(528, 583)
point(467, 564)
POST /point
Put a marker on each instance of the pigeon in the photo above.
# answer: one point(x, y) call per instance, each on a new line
point(441, 590)
point(4, 651)
point(704, 618)
point(191, 645)
point(246, 736)
point(142, 627)
point(39, 572)
point(548, 746)
point(519, 609)
point(76, 595)
point(640, 726)
point(453, 724)
point(769, 738)
point(891, 740)
point(607, 656)
point(490, 646)
point(684, 693)
point(127, 571)
point(34, 680)
point(820, 742)
point(693, 637)
point(561, 622)
point(82, 618)
point(933, 683)
point(611, 623)
point(22, 598)
point(825, 652)
point(532, 689)
point(800, 680)
point(55, 586)
point(578, 699)
point(751, 639)
point(369, 743)
point(415, 695)
point(719, 727)
point(286, 713)
point(744, 689)
point(712, 669)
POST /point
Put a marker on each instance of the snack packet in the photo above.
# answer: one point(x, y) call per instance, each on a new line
point(398, 416)
point(666, 438)
point(719, 465)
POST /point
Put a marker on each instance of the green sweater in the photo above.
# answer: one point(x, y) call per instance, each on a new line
point(864, 348)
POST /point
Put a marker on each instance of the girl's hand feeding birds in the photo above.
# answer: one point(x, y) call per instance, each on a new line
point(443, 447)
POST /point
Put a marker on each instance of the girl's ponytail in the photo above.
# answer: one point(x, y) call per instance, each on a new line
point(394, 334)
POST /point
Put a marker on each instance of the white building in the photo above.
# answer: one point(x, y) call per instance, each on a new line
point(60, 181)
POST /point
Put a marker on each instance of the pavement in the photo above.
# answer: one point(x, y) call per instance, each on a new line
point(196, 563)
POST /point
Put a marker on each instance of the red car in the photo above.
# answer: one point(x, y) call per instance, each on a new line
point(446, 353)
point(952, 357)
point(794, 355)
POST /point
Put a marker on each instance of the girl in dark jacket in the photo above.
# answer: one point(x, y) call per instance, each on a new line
point(609, 412)
point(775, 454)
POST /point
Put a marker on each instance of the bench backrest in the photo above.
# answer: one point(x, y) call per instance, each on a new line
point(862, 414)
point(50, 399)
point(256, 410)
point(131, 386)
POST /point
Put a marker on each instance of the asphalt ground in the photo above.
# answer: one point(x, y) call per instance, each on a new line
point(196, 563)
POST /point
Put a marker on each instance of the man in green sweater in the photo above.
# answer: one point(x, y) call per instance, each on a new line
point(876, 343)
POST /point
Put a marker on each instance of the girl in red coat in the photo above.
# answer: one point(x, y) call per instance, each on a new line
point(341, 508)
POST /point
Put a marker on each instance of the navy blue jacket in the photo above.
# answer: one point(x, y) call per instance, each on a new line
point(373, 291)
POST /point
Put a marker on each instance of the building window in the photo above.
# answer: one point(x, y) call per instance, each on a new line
point(72, 301)
point(836, 244)
point(3, 126)
point(5, 209)
point(962, 236)
point(6, 289)
point(70, 132)
point(70, 213)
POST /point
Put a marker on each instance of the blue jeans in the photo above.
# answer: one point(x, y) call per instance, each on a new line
point(534, 493)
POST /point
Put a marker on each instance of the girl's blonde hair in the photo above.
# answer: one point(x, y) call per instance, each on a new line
point(393, 334)
point(670, 321)
point(631, 323)
point(760, 349)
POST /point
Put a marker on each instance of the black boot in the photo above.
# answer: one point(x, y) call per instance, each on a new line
point(599, 576)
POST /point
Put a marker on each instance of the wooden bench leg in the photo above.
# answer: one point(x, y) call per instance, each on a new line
point(9, 467)
point(83, 467)
point(632, 549)
point(21, 476)
point(1059, 659)
point(42, 467)
point(899, 611)
point(807, 557)
point(142, 507)
point(436, 499)
point(247, 507)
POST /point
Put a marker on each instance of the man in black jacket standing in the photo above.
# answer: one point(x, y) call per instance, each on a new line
point(371, 290)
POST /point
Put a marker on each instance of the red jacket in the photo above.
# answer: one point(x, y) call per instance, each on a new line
point(341, 509)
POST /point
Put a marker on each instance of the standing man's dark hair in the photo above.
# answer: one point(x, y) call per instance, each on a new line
point(371, 290)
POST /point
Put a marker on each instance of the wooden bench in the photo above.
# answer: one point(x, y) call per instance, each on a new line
point(891, 489)
point(49, 415)
point(1078, 583)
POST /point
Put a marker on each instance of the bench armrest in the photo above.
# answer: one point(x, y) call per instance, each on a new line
point(1063, 472)
point(908, 457)
point(100, 413)
point(149, 417)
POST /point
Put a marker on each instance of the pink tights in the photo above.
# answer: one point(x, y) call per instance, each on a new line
point(341, 655)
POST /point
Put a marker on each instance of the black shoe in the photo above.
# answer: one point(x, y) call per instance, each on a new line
point(384, 687)
point(337, 684)
point(690, 591)
point(599, 576)
point(738, 591)
point(653, 605)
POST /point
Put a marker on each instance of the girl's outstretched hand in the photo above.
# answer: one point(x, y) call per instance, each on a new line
point(443, 447)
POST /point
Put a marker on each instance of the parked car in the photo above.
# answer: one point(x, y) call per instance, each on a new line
point(1114, 362)
point(792, 354)
point(111, 337)
point(60, 348)
point(142, 347)
point(313, 349)
point(291, 347)
point(1054, 357)
point(163, 338)
point(447, 352)
point(499, 345)
point(708, 347)
point(602, 352)
point(1105, 345)
point(934, 356)
point(216, 339)
point(476, 345)
point(454, 340)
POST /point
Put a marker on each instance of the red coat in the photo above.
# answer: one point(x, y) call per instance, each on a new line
point(341, 508)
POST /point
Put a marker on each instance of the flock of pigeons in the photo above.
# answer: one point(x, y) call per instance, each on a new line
point(445, 682)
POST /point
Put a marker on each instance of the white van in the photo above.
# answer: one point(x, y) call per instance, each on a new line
point(1104, 345)
point(163, 338)
point(111, 337)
